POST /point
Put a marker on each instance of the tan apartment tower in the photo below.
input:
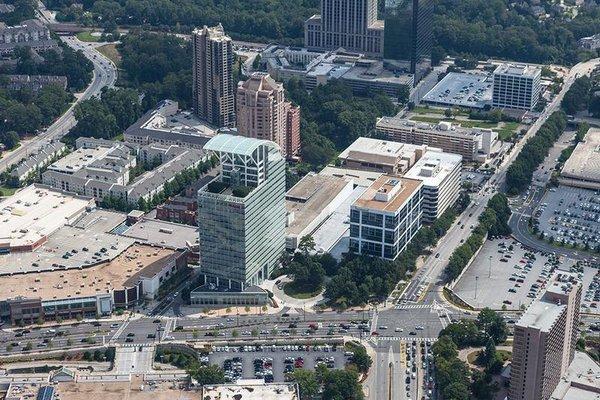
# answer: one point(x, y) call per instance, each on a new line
point(213, 85)
point(544, 340)
point(263, 113)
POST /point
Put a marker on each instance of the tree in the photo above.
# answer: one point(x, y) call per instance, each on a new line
point(493, 324)
point(483, 387)
point(9, 139)
point(206, 375)
point(341, 384)
point(307, 383)
point(307, 244)
point(361, 359)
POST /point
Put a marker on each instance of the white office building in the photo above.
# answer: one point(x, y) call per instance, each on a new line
point(440, 173)
point(516, 86)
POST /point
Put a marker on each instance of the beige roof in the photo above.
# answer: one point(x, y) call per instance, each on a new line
point(584, 163)
point(387, 184)
point(135, 261)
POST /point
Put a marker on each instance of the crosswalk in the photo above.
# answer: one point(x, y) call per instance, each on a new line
point(403, 339)
point(146, 344)
point(412, 306)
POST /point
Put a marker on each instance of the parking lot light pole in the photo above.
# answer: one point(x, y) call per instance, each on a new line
point(476, 279)
point(490, 269)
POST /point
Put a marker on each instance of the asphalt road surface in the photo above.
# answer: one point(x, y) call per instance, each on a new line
point(105, 75)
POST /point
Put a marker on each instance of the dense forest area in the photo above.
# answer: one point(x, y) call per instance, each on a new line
point(474, 28)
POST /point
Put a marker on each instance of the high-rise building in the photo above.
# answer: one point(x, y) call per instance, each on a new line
point(350, 24)
point(544, 340)
point(516, 86)
point(213, 86)
point(385, 218)
point(408, 35)
point(263, 113)
point(242, 213)
point(292, 131)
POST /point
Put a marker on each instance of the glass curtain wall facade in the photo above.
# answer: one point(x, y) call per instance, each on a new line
point(242, 231)
point(408, 35)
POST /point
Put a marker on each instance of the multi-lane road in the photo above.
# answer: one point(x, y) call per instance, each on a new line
point(105, 75)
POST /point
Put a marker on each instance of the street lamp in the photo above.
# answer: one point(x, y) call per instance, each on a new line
point(476, 279)
point(490, 269)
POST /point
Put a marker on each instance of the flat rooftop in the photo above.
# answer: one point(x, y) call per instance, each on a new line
point(541, 314)
point(434, 167)
point(123, 390)
point(358, 177)
point(79, 159)
point(309, 197)
point(462, 90)
point(35, 212)
point(388, 193)
point(584, 163)
point(163, 233)
point(253, 390)
point(521, 70)
point(61, 284)
point(365, 148)
point(441, 128)
point(581, 381)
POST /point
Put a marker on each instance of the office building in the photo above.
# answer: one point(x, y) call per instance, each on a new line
point(408, 36)
point(213, 86)
point(516, 86)
point(473, 144)
point(440, 173)
point(349, 24)
point(544, 340)
point(385, 218)
point(383, 156)
point(263, 113)
point(242, 213)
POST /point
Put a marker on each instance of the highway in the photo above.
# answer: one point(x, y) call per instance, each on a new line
point(105, 75)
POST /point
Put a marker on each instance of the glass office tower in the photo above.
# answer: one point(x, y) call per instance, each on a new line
point(241, 213)
point(408, 35)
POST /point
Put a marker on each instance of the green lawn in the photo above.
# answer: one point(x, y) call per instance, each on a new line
point(505, 133)
point(300, 292)
point(86, 36)
point(7, 191)
point(421, 110)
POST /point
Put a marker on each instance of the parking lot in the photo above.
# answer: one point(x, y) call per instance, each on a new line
point(506, 274)
point(570, 215)
point(273, 362)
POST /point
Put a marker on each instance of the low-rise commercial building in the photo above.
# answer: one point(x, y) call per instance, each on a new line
point(310, 202)
point(473, 144)
point(383, 156)
point(166, 125)
point(251, 389)
point(134, 275)
point(516, 86)
point(440, 173)
point(385, 218)
point(100, 168)
point(582, 169)
point(544, 340)
point(32, 214)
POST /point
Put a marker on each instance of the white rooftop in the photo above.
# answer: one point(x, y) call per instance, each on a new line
point(581, 381)
point(434, 167)
point(35, 212)
point(584, 162)
point(79, 159)
point(382, 148)
point(521, 70)
point(251, 389)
